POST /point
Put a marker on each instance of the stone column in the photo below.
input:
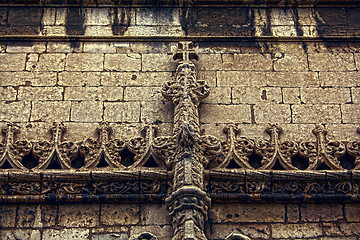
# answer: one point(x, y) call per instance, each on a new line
point(187, 202)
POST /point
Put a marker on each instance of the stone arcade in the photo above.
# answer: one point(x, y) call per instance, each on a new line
point(179, 120)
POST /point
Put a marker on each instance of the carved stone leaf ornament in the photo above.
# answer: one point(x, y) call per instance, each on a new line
point(322, 151)
point(102, 149)
point(353, 148)
point(236, 149)
point(56, 151)
point(273, 149)
point(145, 147)
point(12, 151)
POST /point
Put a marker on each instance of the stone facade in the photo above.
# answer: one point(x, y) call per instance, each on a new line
point(112, 129)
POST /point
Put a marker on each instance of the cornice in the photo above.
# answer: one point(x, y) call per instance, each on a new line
point(179, 3)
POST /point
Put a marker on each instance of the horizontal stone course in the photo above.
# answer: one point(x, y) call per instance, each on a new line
point(316, 113)
point(248, 62)
point(331, 62)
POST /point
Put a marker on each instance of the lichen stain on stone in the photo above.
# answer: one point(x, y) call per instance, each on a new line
point(121, 20)
point(75, 21)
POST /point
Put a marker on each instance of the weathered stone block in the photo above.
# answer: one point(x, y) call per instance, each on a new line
point(85, 62)
point(316, 113)
point(229, 113)
point(157, 111)
point(23, 234)
point(12, 62)
point(40, 93)
point(141, 31)
point(66, 233)
point(331, 229)
point(122, 111)
point(142, 93)
point(154, 214)
point(209, 62)
point(331, 62)
point(49, 215)
point(355, 95)
point(350, 228)
point(86, 111)
point(7, 215)
point(291, 95)
point(350, 113)
point(352, 212)
point(26, 47)
point(339, 79)
point(47, 62)
point(123, 62)
point(326, 95)
point(134, 78)
point(158, 62)
point(79, 78)
point(50, 111)
point(7, 93)
point(254, 95)
point(27, 16)
point(249, 62)
point(321, 212)
point(248, 212)
point(290, 62)
point(94, 93)
point(26, 215)
point(97, 16)
point(241, 78)
point(15, 111)
point(220, 95)
point(272, 113)
point(79, 215)
point(119, 214)
point(157, 16)
point(292, 79)
point(296, 231)
point(293, 213)
point(60, 47)
point(208, 76)
point(99, 47)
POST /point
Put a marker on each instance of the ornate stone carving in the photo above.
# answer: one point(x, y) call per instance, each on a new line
point(273, 150)
point(12, 151)
point(103, 149)
point(322, 151)
point(56, 151)
point(236, 149)
point(188, 202)
point(353, 148)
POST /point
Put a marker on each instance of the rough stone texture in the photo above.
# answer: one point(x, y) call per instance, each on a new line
point(122, 62)
point(14, 111)
point(119, 214)
point(247, 213)
point(66, 233)
point(270, 112)
point(316, 113)
point(47, 62)
point(122, 111)
point(325, 96)
point(249, 62)
point(331, 62)
point(95, 69)
point(84, 62)
point(85, 215)
point(229, 113)
point(8, 216)
point(87, 111)
point(297, 231)
point(50, 111)
point(12, 62)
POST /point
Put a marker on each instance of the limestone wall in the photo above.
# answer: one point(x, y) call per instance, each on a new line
point(296, 67)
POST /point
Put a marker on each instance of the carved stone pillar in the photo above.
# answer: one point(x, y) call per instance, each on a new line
point(187, 202)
